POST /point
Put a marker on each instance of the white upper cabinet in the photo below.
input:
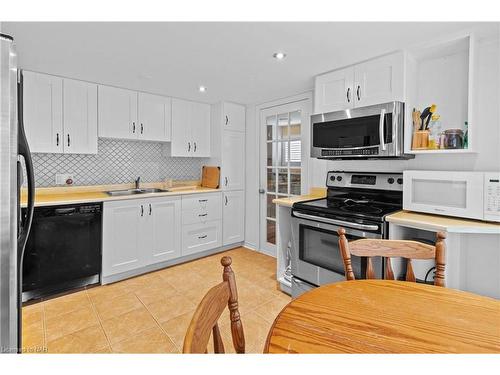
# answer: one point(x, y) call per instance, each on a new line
point(117, 113)
point(233, 117)
point(375, 81)
point(154, 117)
point(190, 128)
point(233, 161)
point(80, 117)
point(334, 91)
point(380, 80)
point(181, 129)
point(43, 112)
point(233, 228)
point(200, 129)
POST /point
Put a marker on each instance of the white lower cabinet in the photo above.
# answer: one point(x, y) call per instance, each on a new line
point(140, 232)
point(202, 222)
point(201, 237)
point(233, 217)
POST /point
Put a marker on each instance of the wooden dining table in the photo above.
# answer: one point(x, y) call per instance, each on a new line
point(385, 316)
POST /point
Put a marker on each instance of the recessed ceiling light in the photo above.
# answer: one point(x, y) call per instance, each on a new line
point(202, 89)
point(279, 55)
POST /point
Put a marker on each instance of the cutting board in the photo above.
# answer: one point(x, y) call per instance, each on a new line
point(210, 177)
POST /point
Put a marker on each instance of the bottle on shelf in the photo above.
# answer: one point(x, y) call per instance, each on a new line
point(435, 132)
point(466, 135)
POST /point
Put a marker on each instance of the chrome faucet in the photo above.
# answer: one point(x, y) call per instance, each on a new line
point(137, 182)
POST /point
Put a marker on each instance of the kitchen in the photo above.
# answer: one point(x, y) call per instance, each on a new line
point(136, 183)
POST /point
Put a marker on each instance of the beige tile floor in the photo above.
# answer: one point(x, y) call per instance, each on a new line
point(150, 313)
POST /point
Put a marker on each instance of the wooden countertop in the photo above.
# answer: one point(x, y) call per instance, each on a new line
point(314, 193)
point(385, 316)
point(86, 194)
point(442, 223)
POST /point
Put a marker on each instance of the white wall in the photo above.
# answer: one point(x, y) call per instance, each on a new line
point(252, 179)
point(486, 120)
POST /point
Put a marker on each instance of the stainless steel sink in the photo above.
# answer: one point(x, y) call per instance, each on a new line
point(115, 193)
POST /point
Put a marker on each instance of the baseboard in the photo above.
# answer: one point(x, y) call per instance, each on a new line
point(158, 266)
point(250, 246)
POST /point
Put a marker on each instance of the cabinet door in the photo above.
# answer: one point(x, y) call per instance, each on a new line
point(334, 91)
point(233, 161)
point(233, 216)
point(154, 117)
point(181, 144)
point(233, 117)
point(80, 117)
point(164, 217)
point(200, 129)
point(42, 110)
point(117, 113)
point(122, 226)
point(380, 80)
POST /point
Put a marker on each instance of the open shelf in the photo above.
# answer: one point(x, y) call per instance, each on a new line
point(441, 73)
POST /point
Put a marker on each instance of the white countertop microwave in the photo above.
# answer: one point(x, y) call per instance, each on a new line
point(473, 195)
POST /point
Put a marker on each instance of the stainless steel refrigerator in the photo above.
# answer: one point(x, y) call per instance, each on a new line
point(14, 227)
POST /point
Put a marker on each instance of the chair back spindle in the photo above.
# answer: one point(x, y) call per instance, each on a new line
point(393, 248)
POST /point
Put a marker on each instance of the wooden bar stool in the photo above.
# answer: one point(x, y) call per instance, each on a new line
point(393, 248)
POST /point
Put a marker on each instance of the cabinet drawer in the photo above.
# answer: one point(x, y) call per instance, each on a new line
point(201, 215)
point(201, 237)
point(202, 203)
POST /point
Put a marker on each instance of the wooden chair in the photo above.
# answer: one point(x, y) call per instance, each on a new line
point(207, 314)
point(392, 248)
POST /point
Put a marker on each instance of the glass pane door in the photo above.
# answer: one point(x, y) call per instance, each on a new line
point(281, 157)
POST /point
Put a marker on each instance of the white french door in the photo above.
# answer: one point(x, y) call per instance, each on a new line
point(283, 162)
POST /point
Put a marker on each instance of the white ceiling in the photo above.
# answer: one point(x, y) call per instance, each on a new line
point(234, 60)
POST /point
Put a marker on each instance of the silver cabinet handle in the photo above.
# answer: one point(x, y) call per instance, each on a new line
point(358, 92)
point(202, 215)
point(348, 95)
point(336, 222)
point(57, 139)
point(225, 181)
point(202, 200)
point(69, 141)
point(381, 128)
point(150, 209)
point(142, 210)
point(227, 120)
point(189, 146)
point(142, 128)
point(225, 200)
point(194, 143)
point(133, 127)
point(202, 237)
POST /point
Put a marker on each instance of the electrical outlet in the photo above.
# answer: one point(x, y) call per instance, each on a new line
point(61, 178)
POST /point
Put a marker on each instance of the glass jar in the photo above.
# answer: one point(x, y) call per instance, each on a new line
point(453, 139)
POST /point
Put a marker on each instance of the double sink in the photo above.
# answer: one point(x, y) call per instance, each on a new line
point(115, 193)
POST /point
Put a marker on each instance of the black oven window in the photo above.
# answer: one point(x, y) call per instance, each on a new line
point(349, 133)
point(320, 247)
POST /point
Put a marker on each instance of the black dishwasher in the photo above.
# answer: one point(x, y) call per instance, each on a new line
point(63, 251)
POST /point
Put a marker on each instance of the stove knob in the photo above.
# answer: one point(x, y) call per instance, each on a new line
point(390, 180)
point(332, 178)
point(400, 181)
point(339, 178)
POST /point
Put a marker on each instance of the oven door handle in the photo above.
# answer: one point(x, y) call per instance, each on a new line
point(336, 222)
point(381, 129)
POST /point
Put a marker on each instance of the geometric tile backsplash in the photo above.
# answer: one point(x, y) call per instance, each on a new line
point(117, 161)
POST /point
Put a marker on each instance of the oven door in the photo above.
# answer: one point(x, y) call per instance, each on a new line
point(316, 256)
point(373, 131)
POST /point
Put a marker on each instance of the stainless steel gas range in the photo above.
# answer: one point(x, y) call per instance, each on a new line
point(356, 201)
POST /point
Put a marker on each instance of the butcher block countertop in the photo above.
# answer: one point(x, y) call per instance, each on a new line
point(85, 194)
point(314, 193)
point(442, 223)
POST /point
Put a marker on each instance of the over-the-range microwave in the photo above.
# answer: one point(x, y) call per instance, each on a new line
point(370, 132)
point(474, 195)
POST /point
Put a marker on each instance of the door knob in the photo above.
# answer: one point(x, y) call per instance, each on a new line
point(262, 191)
